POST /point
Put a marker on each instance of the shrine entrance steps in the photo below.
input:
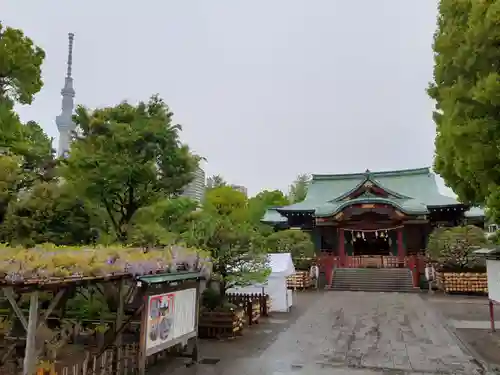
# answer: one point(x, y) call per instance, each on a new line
point(373, 280)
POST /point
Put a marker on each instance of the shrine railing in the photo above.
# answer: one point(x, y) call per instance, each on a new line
point(373, 261)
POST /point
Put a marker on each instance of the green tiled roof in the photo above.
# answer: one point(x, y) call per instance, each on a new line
point(411, 190)
point(273, 216)
point(169, 277)
point(409, 206)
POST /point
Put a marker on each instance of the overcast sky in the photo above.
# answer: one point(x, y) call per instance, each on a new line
point(264, 89)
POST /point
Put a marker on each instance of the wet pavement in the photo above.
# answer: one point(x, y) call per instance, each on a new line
point(469, 315)
point(355, 333)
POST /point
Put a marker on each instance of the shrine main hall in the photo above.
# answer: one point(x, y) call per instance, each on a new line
point(359, 219)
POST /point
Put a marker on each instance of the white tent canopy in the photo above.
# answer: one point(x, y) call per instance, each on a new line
point(276, 286)
point(281, 264)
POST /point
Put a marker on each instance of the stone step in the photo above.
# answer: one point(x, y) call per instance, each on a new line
point(386, 282)
point(373, 280)
point(372, 272)
point(367, 276)
point(356, 275)
point(367, 286)
point(386, 290)
point(370, 281)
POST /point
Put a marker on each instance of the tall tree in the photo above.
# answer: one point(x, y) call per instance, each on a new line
point(236, 249)
point(26, 151)
point(215, 181)
point(298, 190)
point(20, 66)
point(466, 88)
point(258, 205)
point(226, 201)
point(128, 157)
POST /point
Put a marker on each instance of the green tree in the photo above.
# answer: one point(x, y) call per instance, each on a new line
point(298, 190)
point(128, 157)
point(20, 67)
point(26, 156)
point(47, 213)
point(454, 246)
point(20, 80)
point(295, 242)
point(162, 222)
point(215, 181)
point(226, 201)
point(236, 249)
point(258, 205)
point(466, 88)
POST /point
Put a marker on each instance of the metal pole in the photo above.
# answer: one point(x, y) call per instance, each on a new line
point(492, 316)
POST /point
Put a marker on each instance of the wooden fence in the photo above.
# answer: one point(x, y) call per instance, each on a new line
point(114, 361)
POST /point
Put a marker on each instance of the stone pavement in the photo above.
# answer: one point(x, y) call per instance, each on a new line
point(473, 324)
point(357, 333)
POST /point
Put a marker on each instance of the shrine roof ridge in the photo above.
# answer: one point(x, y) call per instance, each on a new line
point(388, 173)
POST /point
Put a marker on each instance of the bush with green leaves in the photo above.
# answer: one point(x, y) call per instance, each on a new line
point(454, 247)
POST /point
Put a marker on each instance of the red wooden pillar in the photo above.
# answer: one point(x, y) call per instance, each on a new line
point(341, 247)
point(328, 264)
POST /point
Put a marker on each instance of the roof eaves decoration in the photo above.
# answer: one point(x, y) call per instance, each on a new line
point(303, 207)
point(398, 173)
point(331, 208)
point(368, 178)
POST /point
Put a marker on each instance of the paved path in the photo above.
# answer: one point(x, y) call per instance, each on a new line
point(473, 324)
point(359, 334)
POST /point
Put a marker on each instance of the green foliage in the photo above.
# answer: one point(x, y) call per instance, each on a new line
point(20, 66)
point(258, 205)
point(226, 201)
point(128, 157)
point(162, 222)
point(10, 176)
point(454, 246)
point(175, 214)
point(293, 241)
point(495, 238)
point(26, 156)
point(88, 304)
point(298, 190)
point(47, 213)
point(211, 299)
point(466, 89)
point(149, 235)
point(236, 249)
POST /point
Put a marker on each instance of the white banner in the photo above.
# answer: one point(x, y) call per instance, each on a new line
point(170, 316)
point(493, 269)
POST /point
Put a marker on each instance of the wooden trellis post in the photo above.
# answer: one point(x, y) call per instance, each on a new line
point(30, 356)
